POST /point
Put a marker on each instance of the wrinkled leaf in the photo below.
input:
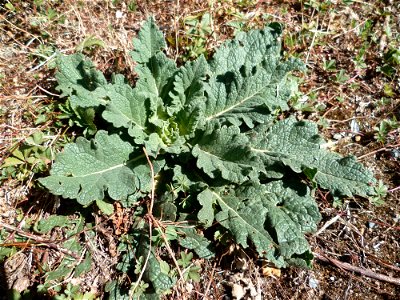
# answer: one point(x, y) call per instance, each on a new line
point(87, 169)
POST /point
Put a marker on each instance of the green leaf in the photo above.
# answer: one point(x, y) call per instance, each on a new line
point(298, 145)
point(248, 48)
point(153, 273)
point(86, 169)
point(277, 230)
point(46, 225)
point(196, 242)
point(249, 79)
point(188, 84)
point(188, 95)
point(207, 199)
point(84, 266)
point(78, 78)
point(149, 42)
point(12, 161)
point(89, 42)
point(155, 77)
point(61, 272)
point(18, 154)
point(224, 152)
point(106, 208)
point(127, 108)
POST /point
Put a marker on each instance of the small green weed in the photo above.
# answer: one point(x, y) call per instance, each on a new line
point(385, 126)
point(30, 158)
point(197, 31)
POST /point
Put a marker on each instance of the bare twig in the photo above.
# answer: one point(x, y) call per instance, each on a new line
point(378, 150)
point(312, 42)
point(150, 224)
point(153, 220)
point(38, 241)
point(210, 281)
point(394, 189)
point(156, 222)
point(365, 272)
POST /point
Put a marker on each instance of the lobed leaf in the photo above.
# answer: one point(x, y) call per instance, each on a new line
point(127, 108)
point(149, 42)
point(86, 169)
point(245, 85)
point(196, 242)
point(223, 152)
point(78, 78)
point(297, 145)
point(274, 217)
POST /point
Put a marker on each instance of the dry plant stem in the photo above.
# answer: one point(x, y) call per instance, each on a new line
point(362, 271)
point(210, 281)
point(150, 213)
point(37, 239)
point(383, 263)
point(145, 263)
point(377, 151)
point(155, 221)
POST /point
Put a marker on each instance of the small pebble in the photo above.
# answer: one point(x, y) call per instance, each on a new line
point(371, 225)
point(313, 283)
point(337, 136)
point(119, 14)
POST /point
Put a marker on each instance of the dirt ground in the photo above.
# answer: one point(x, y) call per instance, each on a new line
point(350, 88)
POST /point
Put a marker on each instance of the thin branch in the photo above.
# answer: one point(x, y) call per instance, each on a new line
point(157, 225)
point(153, 184)
point(38, 241)
point(378, 150)
point(210, 280)
point(365, 272)
point(157, 222)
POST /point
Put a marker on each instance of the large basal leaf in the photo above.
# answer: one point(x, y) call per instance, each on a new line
point(154, 68)
point(249, 49)
point(248, 79)
point(223, 152)
point(272, 217)
point(297, 145)
point(188, 84)
point(87, 169)
point(127, 108)
point(149, 42)
point(78, 78)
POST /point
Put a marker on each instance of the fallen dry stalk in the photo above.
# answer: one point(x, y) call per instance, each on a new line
point(348, 267)
point(37, 240)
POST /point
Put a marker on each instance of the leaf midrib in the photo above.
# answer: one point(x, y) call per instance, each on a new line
point(245, 222)
point(111, 168)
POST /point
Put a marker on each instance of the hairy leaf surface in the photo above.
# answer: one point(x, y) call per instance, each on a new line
point(297, 145)
point(78, 78)
point(196, 242)
point(273, 217)
point(149, 42)
point(222, 161)
point(245, 85)
point(127, 108)
point(224, 152)
point(86, 169)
